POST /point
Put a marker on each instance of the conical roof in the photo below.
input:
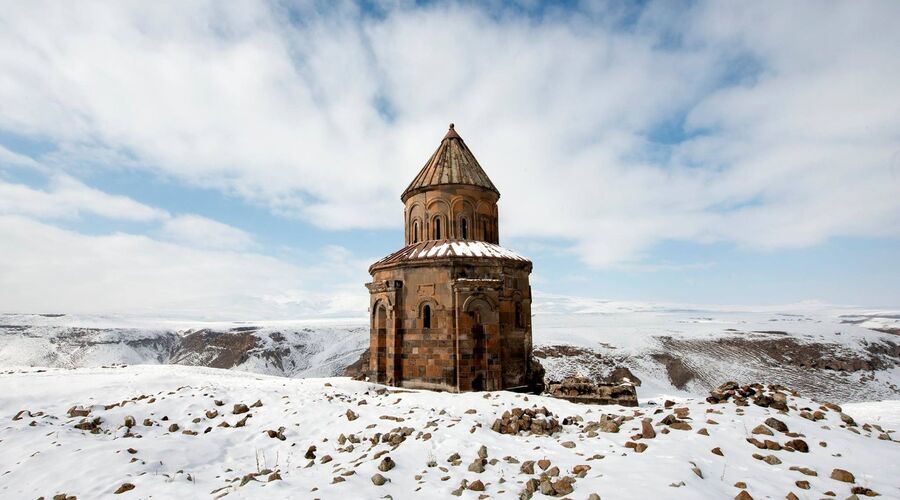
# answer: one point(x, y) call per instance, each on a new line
point(451, 163)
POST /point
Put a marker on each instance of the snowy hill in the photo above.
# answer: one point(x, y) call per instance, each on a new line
point(835, 353)
point(177, 432)
point(288, 348)
point(828, 352)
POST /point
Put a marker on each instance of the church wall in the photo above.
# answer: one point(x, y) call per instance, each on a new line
point(426, 357)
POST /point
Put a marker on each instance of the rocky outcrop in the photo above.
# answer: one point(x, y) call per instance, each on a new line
point(583, 390)
point(215, 349)
point(358, 369)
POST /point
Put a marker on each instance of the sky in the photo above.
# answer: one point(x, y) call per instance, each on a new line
point(245, 159)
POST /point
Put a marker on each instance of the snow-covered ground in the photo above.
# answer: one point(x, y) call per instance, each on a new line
point(44, 454)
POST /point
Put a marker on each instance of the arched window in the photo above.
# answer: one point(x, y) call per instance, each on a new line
point(520, 323)
point(426, 316)
point(464, 228)
point(437, 228)
point(415, 232)
point(484, 231)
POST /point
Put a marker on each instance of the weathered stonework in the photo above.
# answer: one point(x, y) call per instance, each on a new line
point(583, 390)
point(452, 309)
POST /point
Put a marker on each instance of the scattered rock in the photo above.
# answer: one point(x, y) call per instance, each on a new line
point(477, 465)
point(77, 411)
point(860, 490)
point(776, 424)
point(843, 475)
point(647, 431)
point(379, 480)
point(386, 464)
point(696, 470)
point(563, 486)
point(527, 467)
point(804, 470)
point(762, 429)
point(123, 488)
point(240, 408)
point(797, 445)
point(476, 485)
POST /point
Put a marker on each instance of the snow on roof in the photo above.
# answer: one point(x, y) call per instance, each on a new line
point(436, 249)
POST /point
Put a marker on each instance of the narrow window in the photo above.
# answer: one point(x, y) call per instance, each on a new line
point(437, 228)
point(519, 315)
point(464, 225)
point(426, 316)
point(484, 233)
point(416, 232)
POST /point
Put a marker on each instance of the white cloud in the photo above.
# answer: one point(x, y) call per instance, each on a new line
point(793, 111)
point(67, 197)
point(201, 232)
point(12, 158)
point(47, 269)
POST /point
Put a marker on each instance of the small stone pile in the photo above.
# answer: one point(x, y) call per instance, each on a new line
point(774, 396)
point(583, 390)
point(539, 421)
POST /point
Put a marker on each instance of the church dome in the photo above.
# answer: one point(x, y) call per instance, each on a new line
point(451, 163)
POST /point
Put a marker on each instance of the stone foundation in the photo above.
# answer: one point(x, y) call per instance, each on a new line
point(583, 390)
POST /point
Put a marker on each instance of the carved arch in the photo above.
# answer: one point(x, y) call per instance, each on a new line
point(473, 300)
point(462, 208)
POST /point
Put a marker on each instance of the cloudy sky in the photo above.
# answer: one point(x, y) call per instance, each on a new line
point(245, 159)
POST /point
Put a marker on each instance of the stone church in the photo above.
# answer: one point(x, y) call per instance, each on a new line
point(451, 310)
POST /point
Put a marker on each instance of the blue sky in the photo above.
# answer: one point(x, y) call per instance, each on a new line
point(246, 159)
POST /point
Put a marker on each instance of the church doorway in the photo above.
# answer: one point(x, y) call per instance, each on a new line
point(379, 324)
point(478, 353)
point(479, 313)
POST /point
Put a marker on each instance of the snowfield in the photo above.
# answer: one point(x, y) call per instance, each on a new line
point(42, 453)
point(842, 354)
